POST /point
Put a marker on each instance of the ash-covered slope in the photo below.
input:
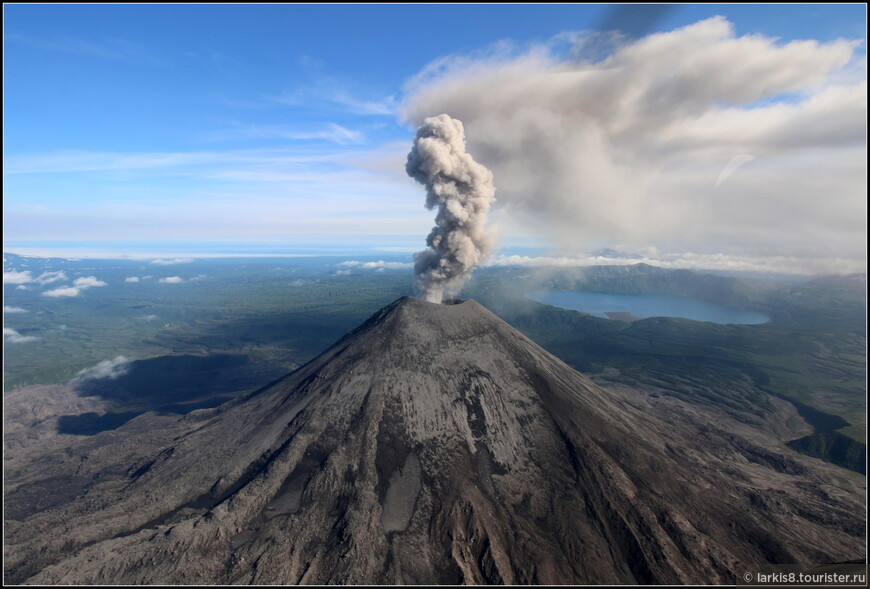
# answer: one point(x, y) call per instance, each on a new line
point(434, 444)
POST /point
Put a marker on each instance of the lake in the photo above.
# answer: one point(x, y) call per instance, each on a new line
point(630, 307)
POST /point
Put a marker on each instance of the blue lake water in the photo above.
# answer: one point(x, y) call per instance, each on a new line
point(646, 305)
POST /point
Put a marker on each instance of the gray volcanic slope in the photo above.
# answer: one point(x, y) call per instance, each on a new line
point(434, 444)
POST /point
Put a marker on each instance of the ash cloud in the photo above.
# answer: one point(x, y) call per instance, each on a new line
point(16, 277)
point(629, 148)
point(462, 191)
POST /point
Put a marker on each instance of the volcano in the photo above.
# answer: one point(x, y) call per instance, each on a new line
point(433, 444)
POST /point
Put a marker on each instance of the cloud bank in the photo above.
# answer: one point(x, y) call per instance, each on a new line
point(652, 144)
point(171, 280)
point(375, 265)
point(172, 262)
point(15, 277)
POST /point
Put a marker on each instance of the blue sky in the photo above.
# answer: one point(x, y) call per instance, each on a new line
point(289, 124)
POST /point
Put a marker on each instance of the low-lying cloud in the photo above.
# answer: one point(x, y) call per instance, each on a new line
point(108, 369)
point(79, 285)
point(69, 291)
point(171, 280)
point(10, 336)
point(379, 264)
point(12, 310)
point(693, 140)
point(88, 282)
point(16, 277)
point(172, 262)
point(51, 277)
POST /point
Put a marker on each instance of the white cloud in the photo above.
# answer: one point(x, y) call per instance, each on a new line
point(13, 337)
point(172, 262)
point(149, 318)
point(331, 132)
point(131, 279)
point(697, 261)
point(7, 309)
point(629, 149)
point(171, 280)
point(15, 277)
point(110, 369)
point(79, 284)
point(380, 264)
point(70, 291)
point(88, 282)
point(49, 277)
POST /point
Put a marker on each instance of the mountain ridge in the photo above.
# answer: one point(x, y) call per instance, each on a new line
point(434, 443)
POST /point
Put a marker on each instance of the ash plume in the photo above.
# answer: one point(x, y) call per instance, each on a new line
point(463, 192)
point(628, 149)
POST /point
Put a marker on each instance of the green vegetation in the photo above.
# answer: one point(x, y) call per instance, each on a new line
point(835, 448)
point(282, 313)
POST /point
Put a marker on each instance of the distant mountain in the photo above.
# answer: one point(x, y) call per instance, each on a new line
point(433, 444)
point(608, 252)
point(643, 278)
point(832, 302)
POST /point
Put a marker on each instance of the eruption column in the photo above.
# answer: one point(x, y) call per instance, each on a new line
point(462, 190)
